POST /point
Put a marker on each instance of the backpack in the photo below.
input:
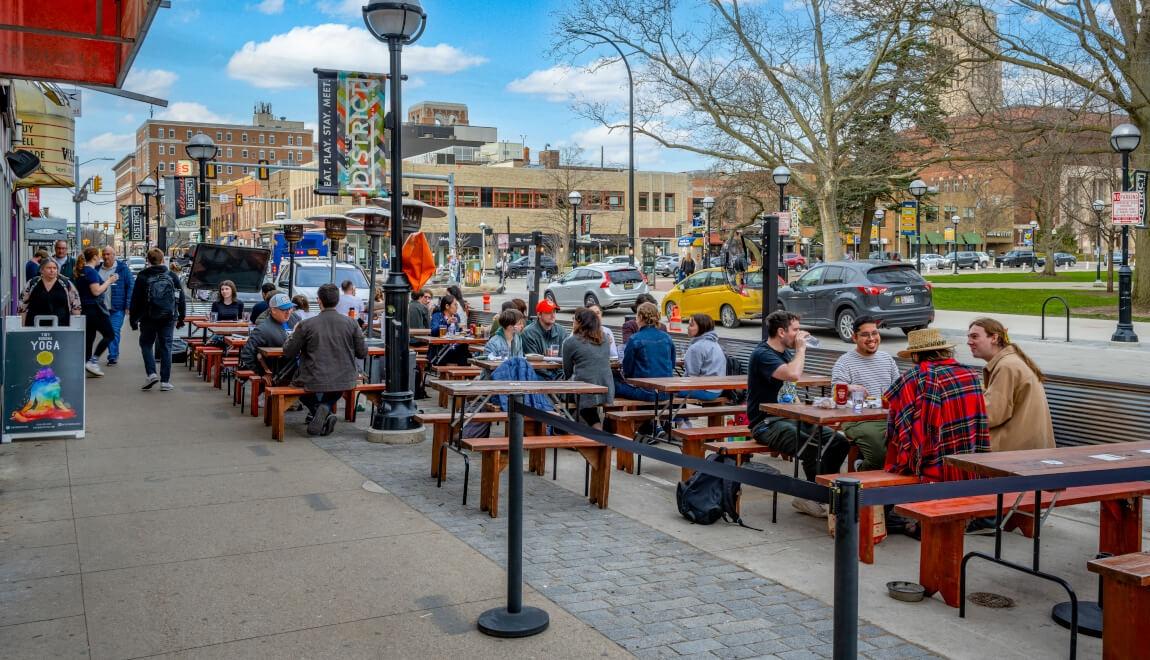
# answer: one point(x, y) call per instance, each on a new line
point(161, 298)
point(704, 498)
point(735, 368)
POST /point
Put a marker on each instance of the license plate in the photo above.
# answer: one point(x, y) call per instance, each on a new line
point(628, 285)
point(904, 300)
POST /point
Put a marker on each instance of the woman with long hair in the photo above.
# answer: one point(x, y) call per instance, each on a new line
point(49, 294)
point(1016, 407)
point(227, 307)
point(587, 358)
point(96, 315)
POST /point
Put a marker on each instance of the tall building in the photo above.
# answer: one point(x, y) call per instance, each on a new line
point(973, 85)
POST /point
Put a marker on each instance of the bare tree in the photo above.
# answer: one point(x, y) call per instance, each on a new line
point(572, 174)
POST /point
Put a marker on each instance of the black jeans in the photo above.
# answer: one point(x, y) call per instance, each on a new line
point(96, 321)
point(780, 435)
point(312, 400)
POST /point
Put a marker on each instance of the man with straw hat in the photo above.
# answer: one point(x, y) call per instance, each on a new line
point(936, 409)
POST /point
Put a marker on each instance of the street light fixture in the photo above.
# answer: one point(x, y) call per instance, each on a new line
point(954, 219)
point(293, 233)
point(1124, 139)
point(574, 198)
point(782, 176)
point(918, 189)
point(201, 149)
point(162, 220)
point(708, 204)
point(1099, 206)
point(147, 188)
point(880, 222)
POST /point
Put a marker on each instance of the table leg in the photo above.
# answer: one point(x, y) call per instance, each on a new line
point(1120, 526)
point(940, 559)
point(1037, 528)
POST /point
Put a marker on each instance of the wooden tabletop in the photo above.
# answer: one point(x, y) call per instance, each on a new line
point(804, 412)
point(205, 323)
point(538, 365)
point(463, 388)
point(1033, 462)
point(278, 351)
point(811, 380)
point(235, 342)
point(456, 339)
point(684, 383)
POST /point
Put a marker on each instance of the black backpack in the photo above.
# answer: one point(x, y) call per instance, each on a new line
point(161, 297)
point(735, 368)
point(705, 498)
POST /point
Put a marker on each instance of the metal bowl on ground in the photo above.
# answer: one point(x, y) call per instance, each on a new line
point(910, 592)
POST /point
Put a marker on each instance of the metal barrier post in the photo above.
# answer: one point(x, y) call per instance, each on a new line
point(1066, 307)
point(844, 499)
point(516, 620)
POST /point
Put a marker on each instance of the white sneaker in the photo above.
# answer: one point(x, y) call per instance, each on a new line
point(809, 508)
point(166, 387)
point(93, 369)
point(152, 380)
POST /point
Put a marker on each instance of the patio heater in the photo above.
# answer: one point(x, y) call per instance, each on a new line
point(293, 233)
point(335, 230)
point(375, 226)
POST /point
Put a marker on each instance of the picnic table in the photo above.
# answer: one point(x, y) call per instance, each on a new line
point(219, 327)
point(456, 339)
point(818, 418)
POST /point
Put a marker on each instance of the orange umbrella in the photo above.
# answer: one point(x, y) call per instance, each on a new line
point(418, 260)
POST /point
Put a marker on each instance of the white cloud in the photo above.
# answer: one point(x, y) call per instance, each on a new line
point(190, 111)
point(286, 60)
point(270, 7)
point(599, 81)
point(614, 143)
point(151, 82)
point(110, 142)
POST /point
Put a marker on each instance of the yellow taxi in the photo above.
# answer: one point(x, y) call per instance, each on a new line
point(709, 292)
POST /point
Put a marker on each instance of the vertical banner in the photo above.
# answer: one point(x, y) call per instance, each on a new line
point(34, 202)
point(132, 216)
point(350, 151)
point(184, 209)
point(906, 218)
point(44, 381)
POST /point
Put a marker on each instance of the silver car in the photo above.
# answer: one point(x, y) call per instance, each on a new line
point(311, 273)
point(606, 285)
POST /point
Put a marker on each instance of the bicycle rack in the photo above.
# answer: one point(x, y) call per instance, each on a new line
point(1065, 306)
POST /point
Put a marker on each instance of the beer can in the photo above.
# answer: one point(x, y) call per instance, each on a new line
point(842, 394)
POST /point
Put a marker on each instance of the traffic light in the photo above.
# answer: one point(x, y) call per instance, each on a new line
point(210, 170)
point(262, 172)
point(239, 200)
point(97, 183)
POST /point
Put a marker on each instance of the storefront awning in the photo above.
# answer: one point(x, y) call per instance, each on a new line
point(87, 42)
point(972, 238)
point(935, 238)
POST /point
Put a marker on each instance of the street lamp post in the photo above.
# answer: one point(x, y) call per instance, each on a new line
point(1124, 139)
point(708, 204)
point(574, 198)
point(482, 250)
point(147, 188)
point(782, 176)
point(954, 221)
point(293, 233)
point(375, 226)
point(1033, 245)
point(918, 189)
point(1099, 206)
point(162, 220)
point(201, 149)
point(880, 222)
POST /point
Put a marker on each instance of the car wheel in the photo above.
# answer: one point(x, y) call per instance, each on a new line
point(589, 300)
point(550, 297)
point(908, 330)
point(728, 317)
point(844, 323)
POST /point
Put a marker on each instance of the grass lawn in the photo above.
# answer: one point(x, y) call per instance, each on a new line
point(1019, 276)
point(1087, 304)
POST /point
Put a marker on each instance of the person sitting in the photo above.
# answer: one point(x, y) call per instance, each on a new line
point(464, 308)
point(506, 342)
point(586, 358)
point(608, 336)
point(267, 289)
point(50, 295)
point(445, 321)
point(227, 307)
point(631, 325)
point(649, 354)
point(1016, 408)
point(517, 304)
point(418, 312)
point(704, 356)
point(774, 367)
point(871, 372)
point(348, 300)
point(302, 307)
point(935, 409)
point(328, 346)
point(270, 333)
point(544, 336)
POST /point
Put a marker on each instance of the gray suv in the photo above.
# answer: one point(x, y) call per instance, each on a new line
point(606, 285)
point(833, 295)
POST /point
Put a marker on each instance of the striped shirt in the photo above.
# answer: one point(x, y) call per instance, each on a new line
point(874, 372)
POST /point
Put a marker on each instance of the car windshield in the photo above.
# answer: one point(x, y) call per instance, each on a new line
point(753, 280)
point(135, 260)
point(314, 276)
point(894, 275)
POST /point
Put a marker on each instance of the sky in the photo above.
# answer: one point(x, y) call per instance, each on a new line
point(213, 60)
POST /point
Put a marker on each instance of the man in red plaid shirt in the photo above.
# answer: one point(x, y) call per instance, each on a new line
point(937, 408)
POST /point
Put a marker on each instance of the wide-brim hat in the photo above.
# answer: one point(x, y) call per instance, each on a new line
point(927, 339)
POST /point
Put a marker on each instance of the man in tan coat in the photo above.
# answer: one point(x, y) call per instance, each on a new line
point(1016, 407)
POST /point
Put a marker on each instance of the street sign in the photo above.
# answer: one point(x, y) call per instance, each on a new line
point(686, 241)
point(1139, 178)
point(503, 241)
point(1126, 208)
point(223, 198)
point(784, 223)
point(907, 224)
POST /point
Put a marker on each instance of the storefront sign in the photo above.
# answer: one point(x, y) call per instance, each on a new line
point(784, 223)
point(43, 381)
point(34, 202)
point(350, 151)
point(48, 131)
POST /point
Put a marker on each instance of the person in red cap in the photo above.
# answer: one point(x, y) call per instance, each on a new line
point(543, 334)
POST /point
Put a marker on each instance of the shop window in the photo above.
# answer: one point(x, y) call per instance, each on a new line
point(644, 201)
point(669, 202)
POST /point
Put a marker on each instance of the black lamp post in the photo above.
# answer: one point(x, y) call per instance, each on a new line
point(708, 204)
point(574, 198)
point(147, 188)
point(201, 149)
point(782, 176)
point(1124, 139)
point(1033, 245)
point(1099, 206)
point(293, 233)
point(162, 220)
point(880, 222)
point(918, 189)
point(954, 219)
point(397, 24)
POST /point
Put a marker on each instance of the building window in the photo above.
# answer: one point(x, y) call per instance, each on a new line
point(189, 133)
point(229, 169)
point(290, 159)
point(614, 201)
point(229, 152)
point(263, 154)
point(244, 138)
point(655, 201)
point(644, 201)
point(272, 156)
point(272, 139)
point(161, 167)
point(262, 138)
point(219, 136)
point(669, 202)
point(160, 132)
point(229, 136)
point(299, 156)
point(244, 153)
point(291, 140)
point(172, 133)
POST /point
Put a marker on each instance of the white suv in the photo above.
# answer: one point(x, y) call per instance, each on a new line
point(310, 274)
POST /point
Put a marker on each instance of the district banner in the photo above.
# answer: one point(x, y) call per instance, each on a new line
point(351, 136)
point(181, 206)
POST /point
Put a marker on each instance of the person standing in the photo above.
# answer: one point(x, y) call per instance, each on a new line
point(1016, 407)
point(32, 268)
point(871, 372)
point(327, 345)
point(348, 300)
point(65, 261)
point(157, 309)
point(96, 316)
point(116, 298)
point(418, 311)
point(48, 294)
point(226, 306)
point(686, 267)
point(587, 358)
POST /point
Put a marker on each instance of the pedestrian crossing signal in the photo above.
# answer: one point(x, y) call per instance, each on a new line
point(262, 172)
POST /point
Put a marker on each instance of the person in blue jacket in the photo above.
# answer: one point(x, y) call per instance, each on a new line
point(117, 298)
point(650, 354)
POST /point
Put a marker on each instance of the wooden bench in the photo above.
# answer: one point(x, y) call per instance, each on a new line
point(440, 424)
point(943, 523)
point(242, 378)
point(868, 479)
point(494, 451)
point(692, 440)
point(1126, 593)
point(280, 397)
point(626, 422)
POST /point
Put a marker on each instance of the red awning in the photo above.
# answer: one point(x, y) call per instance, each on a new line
point(89, 42)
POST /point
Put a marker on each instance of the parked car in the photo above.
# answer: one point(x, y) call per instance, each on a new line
point(606, 285)
point(665, 264)
point(618, 259)
point(1015, 259)
point(965, 260)
point(795, 260)
point(310, 273)
point(519, 267)
point(984, 259)
point(931, 260)
point(135, 264)
point(885, 256)
point(1061, 259)
point(709, 292)
point(833, 295)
